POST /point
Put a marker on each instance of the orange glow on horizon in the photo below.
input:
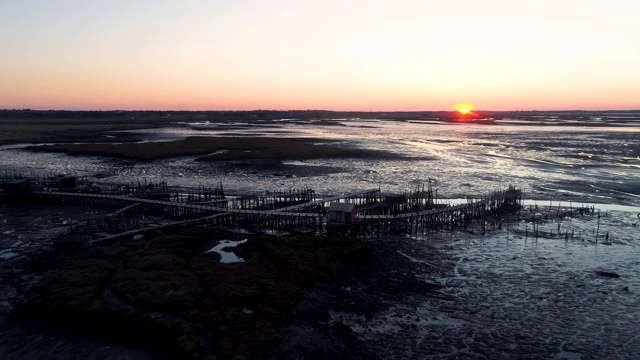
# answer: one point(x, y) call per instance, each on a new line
point(243, 55)
point(464, 109)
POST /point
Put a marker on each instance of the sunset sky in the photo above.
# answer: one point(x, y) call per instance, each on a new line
point(304, 54)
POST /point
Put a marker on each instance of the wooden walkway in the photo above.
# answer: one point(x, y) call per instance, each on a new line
point(180, 207)
point(468, 206)
point(424, 221)
point(290, 217)
point(328, 199)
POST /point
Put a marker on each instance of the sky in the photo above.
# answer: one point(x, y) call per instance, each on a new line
point(362, 55)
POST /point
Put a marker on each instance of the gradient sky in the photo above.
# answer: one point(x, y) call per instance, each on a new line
point(305, 54)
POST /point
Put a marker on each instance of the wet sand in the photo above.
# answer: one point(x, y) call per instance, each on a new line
point(407, 298)
point(448, 294)
point(221, 149)
point(168, 297)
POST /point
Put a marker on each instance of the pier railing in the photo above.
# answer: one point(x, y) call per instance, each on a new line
point(294, 217)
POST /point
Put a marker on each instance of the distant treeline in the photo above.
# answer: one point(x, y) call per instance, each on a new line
point(276, 114)
point(212, 115)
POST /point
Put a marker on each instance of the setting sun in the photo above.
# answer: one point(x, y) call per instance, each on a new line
point(464, 109)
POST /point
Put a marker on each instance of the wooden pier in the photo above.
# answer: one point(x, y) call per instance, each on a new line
point(295, 216)
point(375, 214)
point(440, 218)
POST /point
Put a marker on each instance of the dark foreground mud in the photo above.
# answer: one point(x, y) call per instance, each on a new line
point(170, 298)
point(455, 295)
point(220, 149)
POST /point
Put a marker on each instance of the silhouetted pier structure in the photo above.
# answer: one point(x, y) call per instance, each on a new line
point(358, 198)
point(274, 200)
point(368, 212)
point(541, 215)
point(439, 217)
point(184, 213)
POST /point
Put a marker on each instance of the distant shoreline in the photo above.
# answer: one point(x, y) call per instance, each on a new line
point(220, 149)
point(57, 126)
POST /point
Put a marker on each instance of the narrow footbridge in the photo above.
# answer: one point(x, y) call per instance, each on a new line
point(308, 215)
point(178, 208)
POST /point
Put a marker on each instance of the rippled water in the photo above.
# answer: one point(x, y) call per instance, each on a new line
point(599, 164)
point(544, 296)
point(516, 296)
point(227, 256)
point(510, 296)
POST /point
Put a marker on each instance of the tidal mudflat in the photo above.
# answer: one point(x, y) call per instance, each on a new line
point(449, 295)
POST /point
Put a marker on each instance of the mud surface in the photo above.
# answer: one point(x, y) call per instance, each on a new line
point(169, 297)
point(570, 293)
point(447, 295)
point(507, 296)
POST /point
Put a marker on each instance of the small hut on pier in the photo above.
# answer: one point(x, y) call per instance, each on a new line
point(341, 213)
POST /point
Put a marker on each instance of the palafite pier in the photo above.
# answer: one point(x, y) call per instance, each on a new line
point(362, 213)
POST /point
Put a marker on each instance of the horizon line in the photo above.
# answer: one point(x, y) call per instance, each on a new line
point(326, 110)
